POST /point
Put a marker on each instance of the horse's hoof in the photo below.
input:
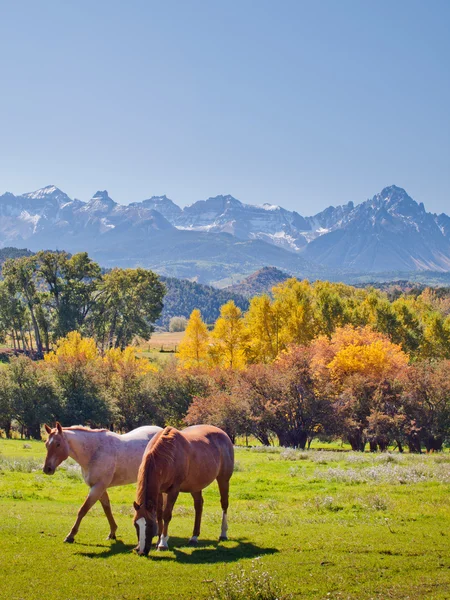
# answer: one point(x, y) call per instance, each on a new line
point(162, 548)
point(193, 543)
point(223, 538)
point(111, 536)
point(69, 540)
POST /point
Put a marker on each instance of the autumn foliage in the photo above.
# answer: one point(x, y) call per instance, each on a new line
point(310, 360)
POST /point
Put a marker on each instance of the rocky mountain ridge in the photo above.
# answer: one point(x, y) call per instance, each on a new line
point(388, 232)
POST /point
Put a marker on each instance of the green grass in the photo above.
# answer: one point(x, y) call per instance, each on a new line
point(325, 525)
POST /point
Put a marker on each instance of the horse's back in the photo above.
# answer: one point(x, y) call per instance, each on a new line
point(129, 451)
point(212, 453)
point(146, 432)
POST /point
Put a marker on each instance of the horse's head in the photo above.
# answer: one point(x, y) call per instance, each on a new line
point(57, 448)
point(145, 524)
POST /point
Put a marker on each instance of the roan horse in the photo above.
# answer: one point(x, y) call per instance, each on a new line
point(106, 459)
point(180, 461)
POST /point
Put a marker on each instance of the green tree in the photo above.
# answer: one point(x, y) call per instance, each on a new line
point(72, 284)
point(33, 400)
point(20, 276)
point(130, 302)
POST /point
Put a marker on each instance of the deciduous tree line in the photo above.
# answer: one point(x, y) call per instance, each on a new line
point(298, 312)
point(45, 296)
point(312, 360)
point(356, 385)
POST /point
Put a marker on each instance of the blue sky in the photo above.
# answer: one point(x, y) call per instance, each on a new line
point(301, 103)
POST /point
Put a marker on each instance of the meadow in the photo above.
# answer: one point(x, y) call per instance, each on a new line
point(315, 524)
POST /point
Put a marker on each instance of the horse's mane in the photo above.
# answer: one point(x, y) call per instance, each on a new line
point(82, 428)
point(159, 456)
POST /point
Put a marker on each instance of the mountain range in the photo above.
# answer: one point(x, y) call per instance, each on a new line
point(220, 240)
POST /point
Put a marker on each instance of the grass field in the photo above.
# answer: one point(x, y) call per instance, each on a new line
point(323, 524)
point(166, 340)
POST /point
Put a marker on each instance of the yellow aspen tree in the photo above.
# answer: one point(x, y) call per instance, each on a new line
point(73, 349)
point(293, 300)
point(193, 348)
point(229, 338)
point(262, 327)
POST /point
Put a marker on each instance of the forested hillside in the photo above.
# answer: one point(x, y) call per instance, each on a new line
point(260, 282)
point(10, 252)
point(183, 296)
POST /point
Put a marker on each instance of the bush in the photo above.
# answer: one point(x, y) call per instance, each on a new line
point(177, 324)
point(250, 584)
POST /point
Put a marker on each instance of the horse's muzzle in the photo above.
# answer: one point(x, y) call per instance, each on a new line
point(48, 470)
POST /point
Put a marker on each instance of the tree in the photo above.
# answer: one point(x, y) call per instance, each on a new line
point(131, 300)
point(75, 366)
point(228, 338)
point(123, 376)
point(193, 348)
point(20, 276)
point(426, 400)
point(293, 301)
point(262, 324)
point(222, 410)
point(32, 396)
point(350, 367)
point(330, 307)
point(177, 324)
point(72, 288)
point(171, 392)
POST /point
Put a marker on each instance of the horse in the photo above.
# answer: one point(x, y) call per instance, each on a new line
point(106, 459)
point(180, 461)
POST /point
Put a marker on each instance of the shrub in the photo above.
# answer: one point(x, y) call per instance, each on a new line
point(177, 324)
point(250, 584)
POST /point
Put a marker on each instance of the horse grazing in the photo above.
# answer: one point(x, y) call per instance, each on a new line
point(180, 461)
point(106, 459)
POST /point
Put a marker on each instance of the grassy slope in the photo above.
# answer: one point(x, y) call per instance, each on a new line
point(329, 525)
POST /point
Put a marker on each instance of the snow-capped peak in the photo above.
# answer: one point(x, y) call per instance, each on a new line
point(46, 192)
point(267, 206)
point(101, 195)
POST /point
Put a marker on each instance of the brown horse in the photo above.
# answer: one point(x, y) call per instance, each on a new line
point(180, 461)
point(106, 459)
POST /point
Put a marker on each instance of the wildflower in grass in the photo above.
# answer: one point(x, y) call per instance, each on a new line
point(251, 583)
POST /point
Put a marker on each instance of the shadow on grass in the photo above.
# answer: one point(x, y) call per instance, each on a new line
point(207, 551)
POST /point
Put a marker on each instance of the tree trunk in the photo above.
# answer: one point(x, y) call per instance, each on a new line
point(34, 431)
point(414, 444)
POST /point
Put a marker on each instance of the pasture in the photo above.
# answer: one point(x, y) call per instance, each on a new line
point(167, 341)
point(323, 524)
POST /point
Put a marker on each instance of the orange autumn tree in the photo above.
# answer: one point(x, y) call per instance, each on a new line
point(359, 367)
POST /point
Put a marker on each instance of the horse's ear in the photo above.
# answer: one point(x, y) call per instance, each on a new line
point(58, 427)
point(136, 506)
point(47, 428)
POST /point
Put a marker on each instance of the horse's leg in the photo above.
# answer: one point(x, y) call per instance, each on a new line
point(224, 486)
point(167, 516)
point(104, 500)
point(198, 505)
point(95, 494)
point(159, 516)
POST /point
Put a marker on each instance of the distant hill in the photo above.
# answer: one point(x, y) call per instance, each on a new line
point(259, 283)
point(184, 296)
point(10, 252)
